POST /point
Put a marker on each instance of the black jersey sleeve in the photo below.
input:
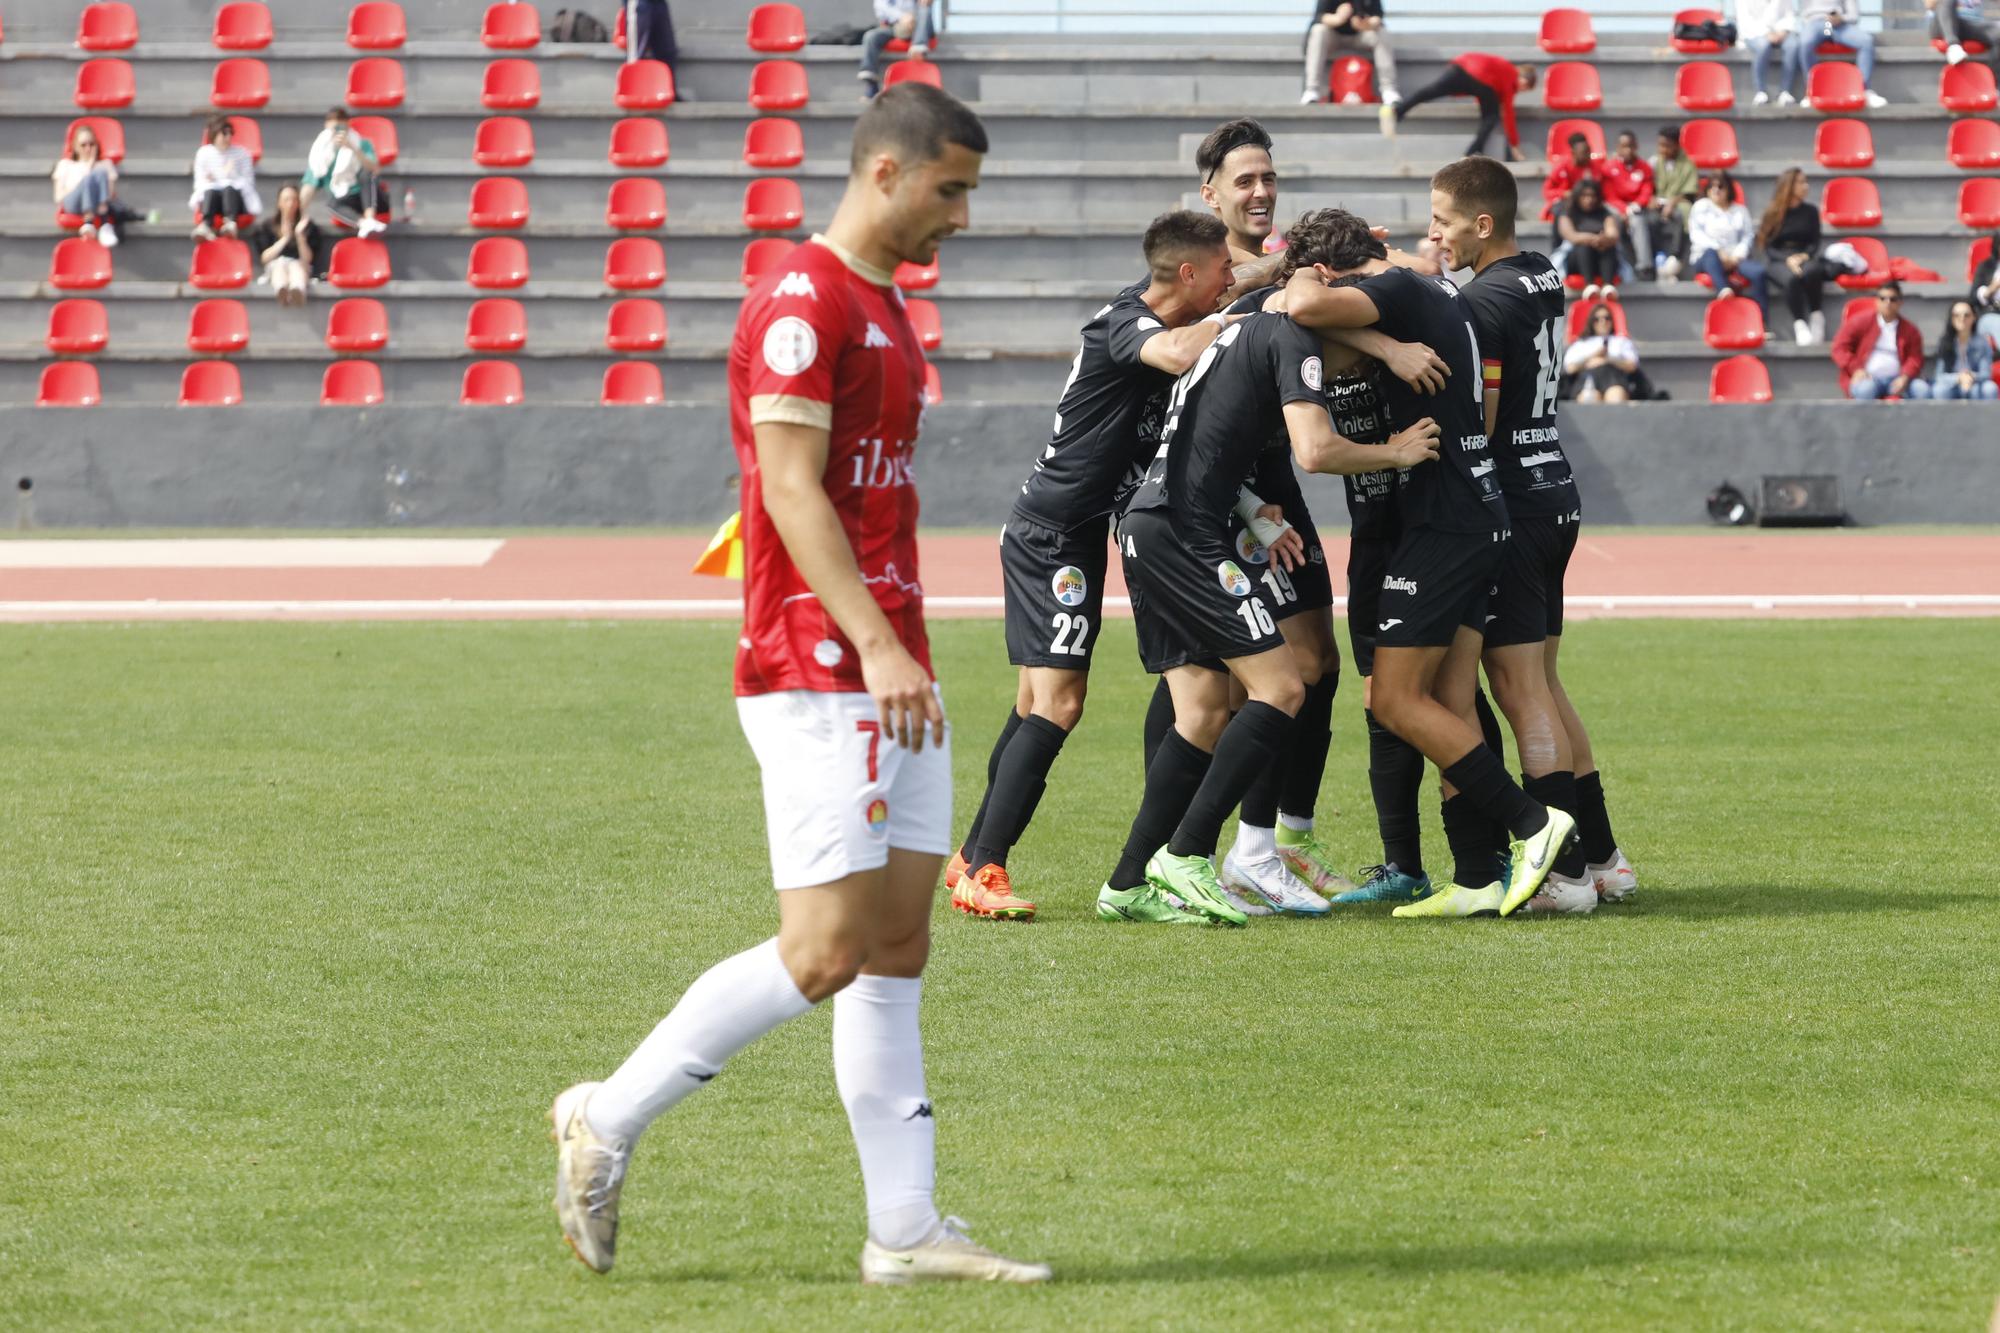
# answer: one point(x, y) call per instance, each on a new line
point(1297, 371)
point(1128, 327)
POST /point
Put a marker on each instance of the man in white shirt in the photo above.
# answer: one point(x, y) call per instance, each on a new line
point(343, 163)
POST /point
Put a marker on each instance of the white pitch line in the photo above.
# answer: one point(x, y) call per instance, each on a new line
point(253, 553)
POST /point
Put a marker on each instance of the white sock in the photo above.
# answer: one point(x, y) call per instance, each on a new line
point(728, 1007)
point(1255, 844)
point(878, 1065)
point(1296, 823)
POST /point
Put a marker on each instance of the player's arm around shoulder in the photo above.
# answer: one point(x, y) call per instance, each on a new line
point(1176, 350)
point(1318, 447)
point(1312, 303)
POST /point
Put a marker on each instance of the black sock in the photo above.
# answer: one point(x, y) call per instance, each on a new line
point(1465, 831)
point(1396, 777)
point(1496, 741)
point(1171, 782)
point(1159, 720)
point(1481, 776)
point(1260, 802)
point(1312, 736)
point(1017, 788)
point(1249, 744)
point(1593, 821)
point(1014, 720)
point(1559, 790)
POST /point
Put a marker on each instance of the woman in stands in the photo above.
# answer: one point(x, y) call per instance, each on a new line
point(225, 181)
point(1986, 291)
point(1603, 364)
point(1964, 360)
point(87, 186)
point(1591, 232)
point(289, 245)
point(1719, 238)
point(1789, 238)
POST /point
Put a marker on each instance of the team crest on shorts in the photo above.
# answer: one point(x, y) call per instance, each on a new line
point(878, 815)
point(1249, 548)
point(1234, 581)
point(1069, 586)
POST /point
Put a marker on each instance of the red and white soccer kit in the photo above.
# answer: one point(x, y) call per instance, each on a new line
point(823, 340)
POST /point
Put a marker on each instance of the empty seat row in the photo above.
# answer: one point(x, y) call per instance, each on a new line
point(766, 253)
point(245, 25)
point(632, 263)
point(636, 203)
point(350, 384)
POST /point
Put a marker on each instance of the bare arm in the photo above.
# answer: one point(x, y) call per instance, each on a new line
point(1318, 447)
point(1490, 401)
point(1322, 308)
point(1255, 273)
point(1413, 363)
point(1176, 350)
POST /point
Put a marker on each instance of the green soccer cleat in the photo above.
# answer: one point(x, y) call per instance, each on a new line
point(1387, 884)
point(1531, 859)
point(1189, 883)
point(1145, 904)
point(1305, 857)
point(1456, 900)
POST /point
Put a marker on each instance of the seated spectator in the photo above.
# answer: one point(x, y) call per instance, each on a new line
point(1602, 365)
point(289, 245)
point(1788, 237)
point(225, 181)
point(1986, 292)
point(344, 164)
point(1766, 27)
point(1565, 176)
point(1675, 189)
point(1488, 80)
point(1719, 237)
point(1350, 25)
point(1955, 22)
point(1879, 353)
point(1823, 21)
point(1964, 360)
point(1628, 193)
point(908, 19)
point(1590, 233)
point(87, 185)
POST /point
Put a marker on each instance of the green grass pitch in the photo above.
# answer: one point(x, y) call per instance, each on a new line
point(302, 926)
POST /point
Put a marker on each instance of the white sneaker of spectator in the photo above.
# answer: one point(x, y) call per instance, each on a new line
point(107, 237)
point(1953, 54)
point(1802, 333)
point(1816, 322)
point(1876, 100)
point(1760, 99)
point(1786, 99)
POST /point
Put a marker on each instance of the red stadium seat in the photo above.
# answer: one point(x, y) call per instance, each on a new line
point(104, 85)
point(375, 81)
point(491, 384)
point(351, 384)
point(359, 263)
point(1877, 255)
point(1710, 144)
point(633, 384)
point(69, 384)
point(79, 265)
point(511, 27)
point(638, 141)
point(497, 263)
point(1350, 81)
point(357, 324)
point(77, 326)
point(380, 131)
point(1704, 85)
point(1567, 32)
point(618, 29)
point(1572, 85)
point(503, 141)
point(1979, 203)
point(1854, 307)
point(1981, 250)
point(775, 85)
point(1973, 47)
point(897, 46)
point(1739, 379)
point(773, 203)
point(917, 277)
point(512, 84)
point(247, 135)
point(211, 384)
point(1579, 317)
point(1844, 145)
point(496, 324)
point(920, 71)
point(1974, 145)
point(1835, 87)
point(924, 318)
point(242, 25)
point(240, 81)
point(1732, 325)
point(777, 28)
point(772, 143)
point(498, 203)
point(1697, 48)
point(644, 85)
point(220, 265)
point(636, 325)
point(376, 26)
point(1967, 87)
point(933, 385)
point(107, 27)
point(1850, 202)
point(111, 135)
point(218, 326)
point(1558, 144)
point(636, 203)
point(635, 264)
point(762, 255)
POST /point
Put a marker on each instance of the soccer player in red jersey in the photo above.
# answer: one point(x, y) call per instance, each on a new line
point(834, 691)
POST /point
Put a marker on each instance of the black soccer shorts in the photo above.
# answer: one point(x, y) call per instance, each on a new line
point(1290, 592)
point(1054, 582)
point(1367, 562)
point(1528, 601)
point(1193, 602)
point(1436, 582)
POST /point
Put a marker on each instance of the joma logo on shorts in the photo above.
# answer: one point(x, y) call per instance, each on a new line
point(1395, 584)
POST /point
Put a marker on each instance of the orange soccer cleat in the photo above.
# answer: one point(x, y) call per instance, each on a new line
point(954, 869)
point(988, 893)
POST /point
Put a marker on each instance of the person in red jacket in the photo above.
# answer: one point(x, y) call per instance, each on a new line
point(1628, 192)
point(1490, 81)
point(1879, 353)
point(1565, 176)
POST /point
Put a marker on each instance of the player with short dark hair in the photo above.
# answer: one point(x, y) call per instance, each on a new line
point(1240, 182)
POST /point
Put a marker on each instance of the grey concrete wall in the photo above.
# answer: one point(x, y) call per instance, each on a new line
point(314, 467)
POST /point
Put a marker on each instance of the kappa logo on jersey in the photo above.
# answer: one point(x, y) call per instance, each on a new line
point(790, 346)
point(878, 816)
point(875, 337)
point(1312, 373)
point(1396, 583)
point(1233, 580)
point(1249, 548)
point(1069, 586)
point(795, 284)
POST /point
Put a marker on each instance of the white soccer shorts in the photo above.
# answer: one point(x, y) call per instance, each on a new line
point(837, 793)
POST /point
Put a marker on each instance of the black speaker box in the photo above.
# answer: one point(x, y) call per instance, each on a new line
point(1801, 502)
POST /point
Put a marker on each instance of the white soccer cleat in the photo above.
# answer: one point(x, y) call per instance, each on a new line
point(589, 1174)
point(1271, 882)
point(1614, 879)
point(949, 1255)
point(1565, 895)
point(1247, 903)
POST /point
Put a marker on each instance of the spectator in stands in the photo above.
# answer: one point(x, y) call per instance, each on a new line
point(1879, 353)
point(649, 35)
point(1590, 232)
point(1628, 192)
point(1788, 236)
point(1488, 80)
point(1719, 237)
point(1675, 189)
point(344, 164)
point(1602, 365)
point(87, 185)
point(1955, 22)
point(1565, 176)
point(225, 181)
point(1964, 360)
point(1350, 25)
point(289, 245)
point(908, 19)
point(1986, 292)
point(1768, 27)
point(1823, 21)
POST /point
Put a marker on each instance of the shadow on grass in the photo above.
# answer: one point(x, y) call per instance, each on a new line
point(1542, 1254)
point(1742, 900)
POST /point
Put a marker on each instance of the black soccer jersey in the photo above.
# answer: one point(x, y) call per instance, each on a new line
point(1273, 478)
point(1358, 414)
point(1107, 420)
point(1517, 310)
point(1458, 492)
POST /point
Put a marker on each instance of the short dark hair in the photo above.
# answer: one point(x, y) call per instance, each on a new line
point(1889, 285)
point(1577, 137)
point(1671, 133)
point(337, 113)
point(914, 121)
point(1481, 185)
point(217, 123)
point(1225, 139)
point(1330, 236)
point(1529, 73)
point(1633, 135)
point(1173, 238)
